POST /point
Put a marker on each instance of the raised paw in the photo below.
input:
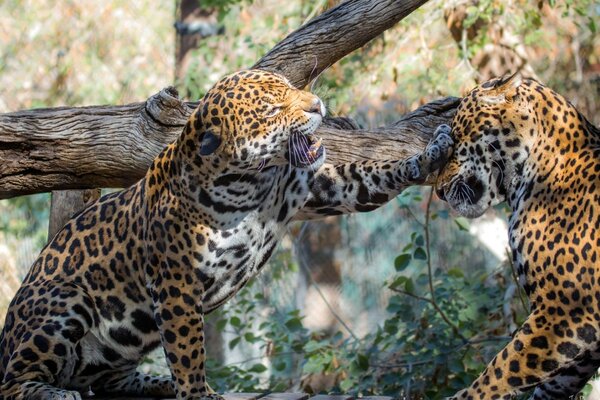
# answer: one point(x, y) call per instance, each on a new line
point(439, 148)
point(434, 157)
point(436, 153)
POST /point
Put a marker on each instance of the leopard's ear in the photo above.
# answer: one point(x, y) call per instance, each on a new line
point(209, 142)
point(501, 90)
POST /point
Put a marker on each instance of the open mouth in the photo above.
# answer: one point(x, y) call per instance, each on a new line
point(464, 195)
point(304, 150)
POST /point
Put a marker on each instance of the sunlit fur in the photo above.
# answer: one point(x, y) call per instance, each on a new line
point(141, 267)
point(519, 141)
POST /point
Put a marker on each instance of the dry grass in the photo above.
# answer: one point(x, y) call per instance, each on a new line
point(83, 52)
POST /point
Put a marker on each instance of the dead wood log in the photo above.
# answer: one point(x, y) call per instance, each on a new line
point(89, 147)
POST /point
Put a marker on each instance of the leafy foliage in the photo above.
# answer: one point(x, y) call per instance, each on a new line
point(443, 326)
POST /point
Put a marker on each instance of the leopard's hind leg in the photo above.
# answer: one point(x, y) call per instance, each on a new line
point(134, 383)
point(44, 323)
point(570, 381)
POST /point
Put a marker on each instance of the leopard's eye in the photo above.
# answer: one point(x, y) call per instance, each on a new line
point(272, 111)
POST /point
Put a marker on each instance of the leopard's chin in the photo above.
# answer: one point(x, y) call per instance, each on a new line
point(468, 210)
point(460, 198)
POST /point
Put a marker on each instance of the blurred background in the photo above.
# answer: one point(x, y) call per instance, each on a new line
point(407, 300)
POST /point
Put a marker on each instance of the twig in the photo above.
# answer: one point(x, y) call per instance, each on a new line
point(412, 295)
point(302, 263)
point(429, 270)
point(284, 353)
point(468, 343)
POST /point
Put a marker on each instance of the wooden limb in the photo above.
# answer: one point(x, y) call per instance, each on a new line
point(320, 43)
point(85, 147)
point(112, 146)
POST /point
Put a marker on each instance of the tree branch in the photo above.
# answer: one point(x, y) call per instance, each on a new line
point(112, 146)
point(330, 36)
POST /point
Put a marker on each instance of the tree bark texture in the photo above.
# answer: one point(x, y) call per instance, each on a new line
point(320, 43)
point(88, 147)
point(112, 146)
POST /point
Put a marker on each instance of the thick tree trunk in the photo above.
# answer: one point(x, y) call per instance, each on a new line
point(111, 146)
point(194, 23)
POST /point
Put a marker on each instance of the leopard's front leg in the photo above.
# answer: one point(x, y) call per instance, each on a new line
point(366, 185)
point(177, 296)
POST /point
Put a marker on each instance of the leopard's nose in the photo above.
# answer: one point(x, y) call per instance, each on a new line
point(316, 107)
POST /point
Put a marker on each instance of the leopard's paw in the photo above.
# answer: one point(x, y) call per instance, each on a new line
point(439, 149)
point(435, 155)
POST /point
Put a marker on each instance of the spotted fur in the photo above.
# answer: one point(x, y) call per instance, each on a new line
point(519, 141)
point(140, 267)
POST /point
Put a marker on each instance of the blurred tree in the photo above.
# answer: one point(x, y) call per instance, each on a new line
point(193, 24)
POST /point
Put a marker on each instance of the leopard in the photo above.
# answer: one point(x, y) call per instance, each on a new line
point(141, 267)
point(519, 142)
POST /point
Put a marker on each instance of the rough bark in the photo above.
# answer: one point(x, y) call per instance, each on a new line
point(88, 147)
point(330, 36)
point(111, 146)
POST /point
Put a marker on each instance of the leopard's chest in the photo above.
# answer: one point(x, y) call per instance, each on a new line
point(232, 256)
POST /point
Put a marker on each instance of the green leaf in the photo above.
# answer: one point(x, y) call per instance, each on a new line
point(592, 26)
point(462, 223)
point(280, 366)
point(409, 286)
point(234, 342)
point(311, 346)
point(346, 385)
point(419, 241)
point(402, 261)
point(258, 368)
point(294, 324)
point(235, 322)
point(420, 254)
point(456, 273)
point(362, 361)
point(249, 336)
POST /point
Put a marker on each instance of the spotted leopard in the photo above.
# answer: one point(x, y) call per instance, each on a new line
point(140, 268)
point(519, 141)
